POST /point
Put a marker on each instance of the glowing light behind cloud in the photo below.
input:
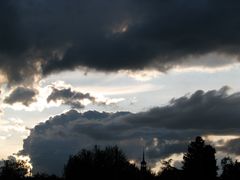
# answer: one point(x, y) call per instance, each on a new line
point(174, 157)
point(220, 140)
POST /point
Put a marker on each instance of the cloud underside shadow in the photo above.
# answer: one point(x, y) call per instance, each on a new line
point(42, 37)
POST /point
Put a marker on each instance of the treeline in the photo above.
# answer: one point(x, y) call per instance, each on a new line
point(198, 163)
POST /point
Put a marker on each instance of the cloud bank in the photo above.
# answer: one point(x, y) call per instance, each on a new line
point(39, 37)
point(162, 130)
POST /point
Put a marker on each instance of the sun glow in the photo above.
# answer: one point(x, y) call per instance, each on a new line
point(220, 140)
point(175, 158)
point(27, 163)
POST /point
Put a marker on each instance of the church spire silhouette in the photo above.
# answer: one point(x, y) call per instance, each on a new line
point(143, 162)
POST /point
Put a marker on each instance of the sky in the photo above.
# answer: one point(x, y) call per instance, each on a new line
point(140, 74)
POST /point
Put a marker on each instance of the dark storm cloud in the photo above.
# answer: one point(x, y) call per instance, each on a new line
point(69, 97)
point(201, 110)
point(22, 95)
point(41, 36)
point(16, 59)
point(162, 131)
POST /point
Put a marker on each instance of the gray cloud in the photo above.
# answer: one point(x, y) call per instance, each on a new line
point(232, 146)
point(22, 95)
point(69, 97)
point(44, 36)
point(162, 131)
point(202, 110)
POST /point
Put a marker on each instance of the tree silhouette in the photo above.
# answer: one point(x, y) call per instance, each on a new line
point(199, 162)
point(43, 176)
point(110, 163)
point(169, 172)
point(231, 170)
point(14, 169)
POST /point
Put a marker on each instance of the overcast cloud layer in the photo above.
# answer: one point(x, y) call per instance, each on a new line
point(162, 130)
point(41, 36)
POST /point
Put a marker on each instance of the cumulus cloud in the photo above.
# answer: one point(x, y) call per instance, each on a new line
point(44, 36)
point(22, 95)
point(162, 131)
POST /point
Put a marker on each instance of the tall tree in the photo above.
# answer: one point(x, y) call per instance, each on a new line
point(14, 169)
point(107, 164)
point(169, 172)
point(230, 169)
point(199, 162)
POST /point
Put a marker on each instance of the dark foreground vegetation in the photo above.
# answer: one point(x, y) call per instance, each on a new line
point(111, 164)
